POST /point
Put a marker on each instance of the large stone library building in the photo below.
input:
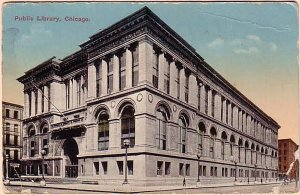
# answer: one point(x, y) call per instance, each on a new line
point(139, 81)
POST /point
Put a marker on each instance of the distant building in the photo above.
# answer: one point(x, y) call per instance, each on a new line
point(12, 115)
point(286, 154)
point(139, 81)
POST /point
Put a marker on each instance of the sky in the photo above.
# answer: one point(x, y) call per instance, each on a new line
point(252, 45)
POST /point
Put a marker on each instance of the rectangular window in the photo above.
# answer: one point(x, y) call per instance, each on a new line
point(7, 138)
point(104, 167)
point(177, 81)
point(45, 169)
point(211, 147)
point(29, 97)
point(167, 77)
point(213, 104)
point(78, 91)
point(16, 128)
point(200, 170)
point(187, 169)
point(155, 69)
point(7, 126)
point(96, 168)
point(122, 71)
point(7, 113)
point(167, 168)
point(110, 76)
point(15, 140)
point(206, 99)
point(211, 171)
point(45, 145)
point(186, 88)
point(32, 148)
point(215, 171)
point(120, 167)
point(98, 66)
point(43, 98)
point(161, 133)
point(16, 114)
point(160, 167)
point(181, 169)
point(204, 170)
point(67, 86)
point(135, 68)
point(130, 167)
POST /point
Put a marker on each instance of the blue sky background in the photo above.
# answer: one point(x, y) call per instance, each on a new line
point(254, 46)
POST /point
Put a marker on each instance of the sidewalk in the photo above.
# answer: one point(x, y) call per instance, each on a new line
point(123, 188)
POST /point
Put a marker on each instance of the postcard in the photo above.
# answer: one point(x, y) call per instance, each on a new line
point(136, 97)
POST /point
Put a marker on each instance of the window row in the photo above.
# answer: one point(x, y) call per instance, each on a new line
point(7, 127)
point(15, 115)
point(101, 168)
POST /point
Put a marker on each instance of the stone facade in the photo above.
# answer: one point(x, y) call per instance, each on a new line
point(141, 81)
point(12, 115)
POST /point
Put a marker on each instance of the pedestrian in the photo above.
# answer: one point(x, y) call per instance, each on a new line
point(183, 183)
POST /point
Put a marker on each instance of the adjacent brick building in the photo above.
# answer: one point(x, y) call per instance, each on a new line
point(139, 80)
point(287, 149)
point(12, 115)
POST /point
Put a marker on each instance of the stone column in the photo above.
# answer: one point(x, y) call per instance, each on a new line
point(227, 151)
point(128, 68)
point(182, 84)
point(193, 89)
point(161, 70)
point(202, 98)
point(116, 73)
point(145, 62)
point(218, 105)
point(205, 145)
point(26, 105)
point(229, 113)
point(244, 123)
point(91, 81)
point(224, 104)
point(46, 101)
point(82, 90)
point(74, 92)
point(33, 103)
point(240, 120)
point(209, 102)
point(104, 77)
point(217, 149)
point(39, 101)
point(114, 134)
point(173, 72)
point(235, 117)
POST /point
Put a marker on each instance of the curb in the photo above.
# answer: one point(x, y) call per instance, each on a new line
point(136, 191)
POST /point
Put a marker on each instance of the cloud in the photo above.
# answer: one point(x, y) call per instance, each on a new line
point(216, 43)
point(250, 50)
point(36, 31)
point(273, 46)
point(254, 38)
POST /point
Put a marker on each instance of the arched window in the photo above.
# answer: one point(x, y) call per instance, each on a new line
point(232, 142)
point(239, 148)
point(161, 125)
point(31, 131)
point(202, 131)
point(224, 139)
point(213, 135)
point(261, 155)
point(44, 130)
point(252, 150)
point(182, 133)
point(246, 148)
point(103, 130)
point(256, 154)
point(128, 126)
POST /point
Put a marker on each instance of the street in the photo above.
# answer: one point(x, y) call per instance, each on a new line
point(271, 188)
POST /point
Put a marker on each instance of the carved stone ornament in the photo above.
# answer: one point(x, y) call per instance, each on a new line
point(113, 104)
point(139, 97)
point(174, 108)
point(150, 98)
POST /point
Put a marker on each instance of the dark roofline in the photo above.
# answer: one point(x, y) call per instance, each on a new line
point(288, 139)
point(12, 104)
point(40, 65)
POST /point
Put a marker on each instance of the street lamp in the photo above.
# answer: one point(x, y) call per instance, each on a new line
point(43, 153)
point(235, 164)
point(7, 169)
point(126, 143)
point(255, 173)
point(198, 156)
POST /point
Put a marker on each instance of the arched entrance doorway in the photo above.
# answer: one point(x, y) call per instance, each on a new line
point(70, 151)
